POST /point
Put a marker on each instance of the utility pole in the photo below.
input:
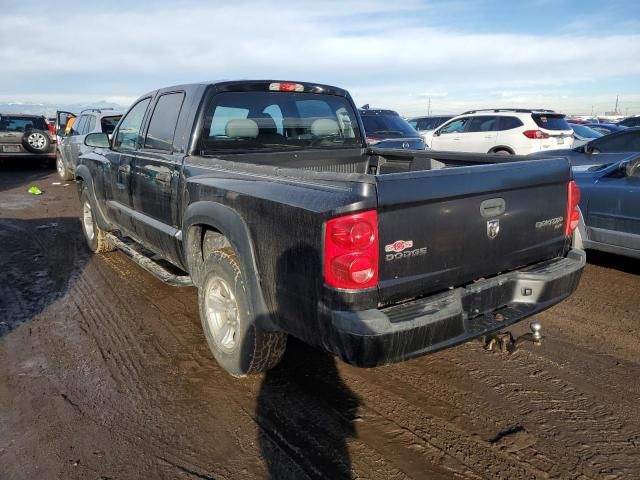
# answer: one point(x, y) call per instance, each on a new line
point(616, 109)
point(429, 107)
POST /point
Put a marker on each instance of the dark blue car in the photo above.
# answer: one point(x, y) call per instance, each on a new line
point(605, 128)
point(387, 129)
point(610, 205)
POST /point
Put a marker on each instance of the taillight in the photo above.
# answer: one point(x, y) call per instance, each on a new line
point(351, 251)
point(573, 213)
point(286, 87)
point(52, 131)
point(535, 134)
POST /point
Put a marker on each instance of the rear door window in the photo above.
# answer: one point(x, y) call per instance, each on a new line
point(550, 121)
point(79, 126)
point(164, 119)
point(91, 124)
point(481, 124)
point(507, 123)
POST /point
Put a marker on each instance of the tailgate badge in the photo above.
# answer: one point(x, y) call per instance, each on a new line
point(493, 228)
point(398, 246)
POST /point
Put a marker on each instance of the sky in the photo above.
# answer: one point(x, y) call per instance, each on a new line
point(574, 56)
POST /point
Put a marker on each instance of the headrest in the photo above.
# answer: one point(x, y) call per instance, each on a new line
point(324, 127)
point(241, 128)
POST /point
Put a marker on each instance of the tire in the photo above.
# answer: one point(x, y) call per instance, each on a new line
point(227, 318)
point(502, 152)
point(63, 172)
point(36, 141)
point(93, 234)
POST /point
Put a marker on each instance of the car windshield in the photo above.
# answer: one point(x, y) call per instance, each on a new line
point(17, 123)
point(387, 126)
point(109, 123)
point(257, 121)
point(550, 121)
point(585, 132)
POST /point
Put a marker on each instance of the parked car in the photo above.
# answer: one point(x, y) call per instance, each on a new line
point(71, 145)
point(605, 128)
point(503, 131)
point(610, 207)
point(607, 149)
point(583, 134)
point(426, 125)
point(264, 195)
point(630, 121)
point(387, 129)
point(27, 137)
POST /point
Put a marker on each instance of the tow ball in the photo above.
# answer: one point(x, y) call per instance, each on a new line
point(506, 343)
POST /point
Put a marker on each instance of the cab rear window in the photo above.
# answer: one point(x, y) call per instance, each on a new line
point(551, 121)
point(236, 122)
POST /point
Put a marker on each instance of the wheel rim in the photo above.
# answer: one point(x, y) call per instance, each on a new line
point(87, 220)
point(60, 167)
point(221, 312)
point(37, 140)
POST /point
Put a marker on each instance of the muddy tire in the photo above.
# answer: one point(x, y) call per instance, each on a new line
point(227, 318)
point(63, 172)
point(93, 234)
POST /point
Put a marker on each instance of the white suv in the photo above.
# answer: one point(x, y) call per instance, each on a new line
point(502, 130)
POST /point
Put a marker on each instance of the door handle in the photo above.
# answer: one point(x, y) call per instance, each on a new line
point(164, 177)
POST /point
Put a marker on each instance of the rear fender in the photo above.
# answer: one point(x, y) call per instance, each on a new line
point(230, 224)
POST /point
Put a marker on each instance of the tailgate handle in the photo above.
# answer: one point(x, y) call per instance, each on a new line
point(492, 207)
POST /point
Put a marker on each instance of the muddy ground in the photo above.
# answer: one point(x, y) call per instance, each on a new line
point(105, 374)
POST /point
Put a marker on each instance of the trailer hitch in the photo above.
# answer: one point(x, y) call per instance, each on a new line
point(506, 343)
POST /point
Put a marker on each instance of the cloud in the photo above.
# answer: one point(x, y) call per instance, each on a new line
point(389, 54)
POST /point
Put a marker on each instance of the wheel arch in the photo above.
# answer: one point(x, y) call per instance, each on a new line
point(505, 148)
point(204, 216)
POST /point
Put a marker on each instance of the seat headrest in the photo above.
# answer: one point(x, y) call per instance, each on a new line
point(324, 127)
point(241, 128)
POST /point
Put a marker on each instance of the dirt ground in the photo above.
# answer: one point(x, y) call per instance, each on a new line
point(105, 374)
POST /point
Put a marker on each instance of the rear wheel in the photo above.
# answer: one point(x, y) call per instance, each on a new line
point(63, 172)
point(502, 152)
point(228, 320)
point(93, 234)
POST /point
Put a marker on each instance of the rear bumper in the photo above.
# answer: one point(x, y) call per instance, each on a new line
point(379, 336)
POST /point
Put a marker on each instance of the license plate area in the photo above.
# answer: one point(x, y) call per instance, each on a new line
point(11, 148)
point(560, 140)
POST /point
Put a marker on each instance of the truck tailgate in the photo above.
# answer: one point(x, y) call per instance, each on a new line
point(448, 227)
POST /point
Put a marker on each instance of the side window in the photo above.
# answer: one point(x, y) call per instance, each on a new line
point(91, 124)
point(164, 119)
point(129, 132)
point(78, 127)
point(276, 114)
point(628, 142)
point(222, 115)
point(481, 124)
point(455, 126)
point(507, 123)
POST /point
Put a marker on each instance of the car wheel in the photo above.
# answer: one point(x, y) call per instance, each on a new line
point(93, 234)
point(63, 173)
point(36, 141)
point(502, 152)
point(238, 345)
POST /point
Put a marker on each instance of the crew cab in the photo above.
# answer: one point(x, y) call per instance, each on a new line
point(265, 196)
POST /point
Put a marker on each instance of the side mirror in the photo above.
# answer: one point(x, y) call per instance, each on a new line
point(98, 140)
point(436, 133)
point(632, 169)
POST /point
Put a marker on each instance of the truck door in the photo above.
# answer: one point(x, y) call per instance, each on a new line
point(126, 142)
point(155, 177)
point(614, 209)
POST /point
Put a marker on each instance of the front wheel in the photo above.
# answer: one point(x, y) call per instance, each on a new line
point(239, 346)
point(93, 234)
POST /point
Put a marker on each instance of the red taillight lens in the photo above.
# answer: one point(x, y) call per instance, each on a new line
point(573, 213)
point(535, 134)
point(52, 131)
point(351, 251)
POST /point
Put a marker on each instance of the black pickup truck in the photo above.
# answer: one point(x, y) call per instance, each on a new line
point(264, 195)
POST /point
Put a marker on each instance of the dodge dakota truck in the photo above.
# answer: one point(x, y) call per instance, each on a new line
point(265, 196)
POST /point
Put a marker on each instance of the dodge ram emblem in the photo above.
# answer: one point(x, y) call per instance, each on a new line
point(398, 246)
point(405, 145)
point(493, 228)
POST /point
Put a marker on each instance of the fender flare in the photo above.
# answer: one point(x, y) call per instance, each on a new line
point(229, 223)
point(580, 234)
point(83, 177)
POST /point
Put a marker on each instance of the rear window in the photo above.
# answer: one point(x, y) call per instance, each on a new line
point(250, 121)
point(17, 123)
point(585, 132)
point(551, 121)
point(109, 123)
point(387, 126)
